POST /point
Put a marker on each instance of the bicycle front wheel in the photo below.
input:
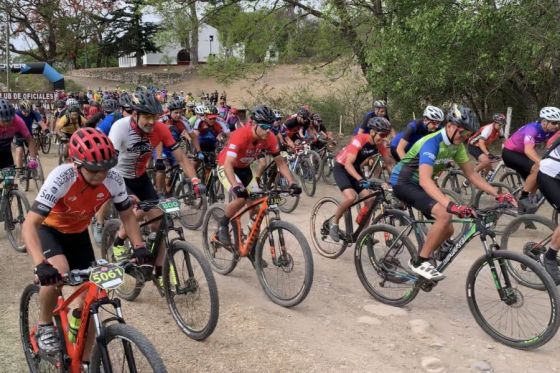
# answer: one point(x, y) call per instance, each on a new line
point(307, 176)
point(15, 210)
point(192, 208)
point(321, 216)
point(288, 203)
point(456, 181)
point(284, 264)
point(327, 169)
point(513, 314)
point(45, 143)
point(190, 290)
point(127, 351)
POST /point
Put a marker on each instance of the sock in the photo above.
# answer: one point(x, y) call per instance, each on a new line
point(551, 254)
point(118, 241)
point(524, 195)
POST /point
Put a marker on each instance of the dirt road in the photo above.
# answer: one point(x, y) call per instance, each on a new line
point(338, 328)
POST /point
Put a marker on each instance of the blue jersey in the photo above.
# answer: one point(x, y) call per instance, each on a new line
point(413, 132)
point(107, 122)
point(364, 126)
point(33, 116)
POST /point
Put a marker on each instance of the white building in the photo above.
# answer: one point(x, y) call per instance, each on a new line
point(208, 44)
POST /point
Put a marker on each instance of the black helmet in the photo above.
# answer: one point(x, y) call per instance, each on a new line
point(125, 101)
point(263, 115)
point(145, 103)
point(74, 109)
point(109, 105)
point(176, 105)
point(60, 104)
point(211, 110)
point(7, 111)
point(379, 125)
point(463, 117)
point(304, 113)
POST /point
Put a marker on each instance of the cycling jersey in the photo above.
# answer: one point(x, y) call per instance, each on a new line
point(245, 148)
point(208, 133)
point(105, 124)
point(65, 126)
point(435, 150)
point(488, 133)
point(362, 147)
point(33, 116)
point(292, 127)
point(550, 164)
point(7, 134)
point(135, 146)
point(69, 203)
point(531, 133)
point(413, 132)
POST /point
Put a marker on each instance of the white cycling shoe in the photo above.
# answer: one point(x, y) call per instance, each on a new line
point(426, 270)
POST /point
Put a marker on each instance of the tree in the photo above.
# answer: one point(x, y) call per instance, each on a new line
point(128, 33)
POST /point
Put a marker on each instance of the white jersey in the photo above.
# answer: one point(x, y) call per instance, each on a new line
point(551, 165)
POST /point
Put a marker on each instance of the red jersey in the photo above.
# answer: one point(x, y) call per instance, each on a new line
point(362, 147)
point(245, 148)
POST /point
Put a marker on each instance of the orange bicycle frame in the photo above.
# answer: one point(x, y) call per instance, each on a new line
point(244, 248)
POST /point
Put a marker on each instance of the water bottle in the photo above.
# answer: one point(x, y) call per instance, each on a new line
point(361, 215)
point(74, 324)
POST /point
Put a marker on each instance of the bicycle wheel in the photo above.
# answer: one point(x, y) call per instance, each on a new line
point(459, 227)
point(401, 220)
point(328, 166)
point(288, 274)
point(456, 181)
point(29, 311)
point(15, 210)
point(307, 176)
point(222, 259)
point(193, 208)
point(315, 161)
point(483, 200)
point(517, 316)
point(128, 351)
point(527, 235)
point(381, 258)
point(321, 215)
point(133, 279)
point(512, 179)
point(45, 143)
point(190, 290)
point(288, 203)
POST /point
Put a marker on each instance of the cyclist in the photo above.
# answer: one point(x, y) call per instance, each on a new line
point(294, 126)
point(28, 115)
point(233, 120)
point(482, 139)
point(520, 155)
point(347, 173)
point(126, 104)
point(105, 120)
point(199, 111)
point(11, 125)
point(412, 181)
point(234, 161)
point(55, 229)
point(379, 110)
point(415, 130)
point(70, 121)
point(134, 138)
point(548, 181)
point(210, 130)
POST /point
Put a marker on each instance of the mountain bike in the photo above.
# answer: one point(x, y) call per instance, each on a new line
point(42, 139)
point(188, 283)
point(63, 141)
point(271, 180)
point(208, 171)
point(118, 346)
point(299, 162)
point(279, 250)
point(13, 208)
point(36, 176)
point(498, 302)
point(327, 155)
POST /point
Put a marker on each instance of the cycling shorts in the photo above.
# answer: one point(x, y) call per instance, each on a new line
point(475, 151)
point(19, 141)
point(344, 180)
point(6, 159)
point(141, 187)
point(76, 247)
point(395, 154)
point(549, 187)
point(242, 175)
point(518, 162)
point(413, 195)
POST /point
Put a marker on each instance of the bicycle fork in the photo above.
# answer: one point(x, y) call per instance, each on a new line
point(504, 286)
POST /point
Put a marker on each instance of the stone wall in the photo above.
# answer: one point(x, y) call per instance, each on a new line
point(134, 76)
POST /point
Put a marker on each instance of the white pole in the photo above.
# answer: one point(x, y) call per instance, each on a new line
point(340, 126)
point(508, 122)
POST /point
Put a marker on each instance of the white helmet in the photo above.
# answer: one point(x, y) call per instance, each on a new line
point(71, 102)
point(434, 113)
point(199, 109)
point(550, 113)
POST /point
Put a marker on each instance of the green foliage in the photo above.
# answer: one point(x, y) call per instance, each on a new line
point(227, 70)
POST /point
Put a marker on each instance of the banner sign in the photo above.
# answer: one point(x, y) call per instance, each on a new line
point(32, 96)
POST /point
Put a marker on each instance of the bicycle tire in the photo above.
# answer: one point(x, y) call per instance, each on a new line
point(222, 266)
point(478, 204)
point(12, 224)
point(315, 160)
point(318, 227)
point(45, 143)
point(307, 177)
point(453, 182)
point(512, 179)
point(34, 360)
point(130, 335)
point(393, 217)
point(289, 203)
point(286, 265)
point(327, 170)
point(133, 285)
point(191, 221)
point(386, 269)
point(505, 244)
point(171, 291)
point(548, 285)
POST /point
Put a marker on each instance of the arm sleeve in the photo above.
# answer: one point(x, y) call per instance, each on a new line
point(233, 146)
point(117, 134)
point(55, 187)
point(115, 184)
point(429, 152)
point(273, 146)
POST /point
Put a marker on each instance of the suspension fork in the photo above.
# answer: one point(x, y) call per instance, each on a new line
point(271, 238)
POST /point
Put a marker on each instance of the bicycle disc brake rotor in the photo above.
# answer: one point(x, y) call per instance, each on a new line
point(513, 297)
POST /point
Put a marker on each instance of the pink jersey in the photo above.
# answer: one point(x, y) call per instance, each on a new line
point(7, 134)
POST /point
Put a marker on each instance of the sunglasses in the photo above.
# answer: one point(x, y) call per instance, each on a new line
point(383, 135)
point(265, 126)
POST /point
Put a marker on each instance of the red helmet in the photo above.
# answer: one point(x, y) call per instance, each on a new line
point(92, 149)
point(233, 110)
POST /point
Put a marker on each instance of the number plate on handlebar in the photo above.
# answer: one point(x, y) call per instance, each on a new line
point(170, 205)
point(274, 201)
point(109, 276)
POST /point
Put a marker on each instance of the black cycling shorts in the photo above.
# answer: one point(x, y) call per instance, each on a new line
point(549, 187)
point(244, 174)
point(142, 188)
point(76, 247)
point(344, 180)
point(19, 141)
point(6, 159)
point(518, 162)
point(395, 154)
point(413, 195)
point(475, 151)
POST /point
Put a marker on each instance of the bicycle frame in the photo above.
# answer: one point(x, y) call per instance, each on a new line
point(351, 235)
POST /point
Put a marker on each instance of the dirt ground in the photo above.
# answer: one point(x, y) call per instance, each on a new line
point(338, 328)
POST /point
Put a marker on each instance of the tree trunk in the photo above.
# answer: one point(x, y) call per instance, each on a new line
point(193, 44)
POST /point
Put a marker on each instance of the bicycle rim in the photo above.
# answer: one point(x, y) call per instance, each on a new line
point(222, 259)
point(515, 315)
point(321, 216)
